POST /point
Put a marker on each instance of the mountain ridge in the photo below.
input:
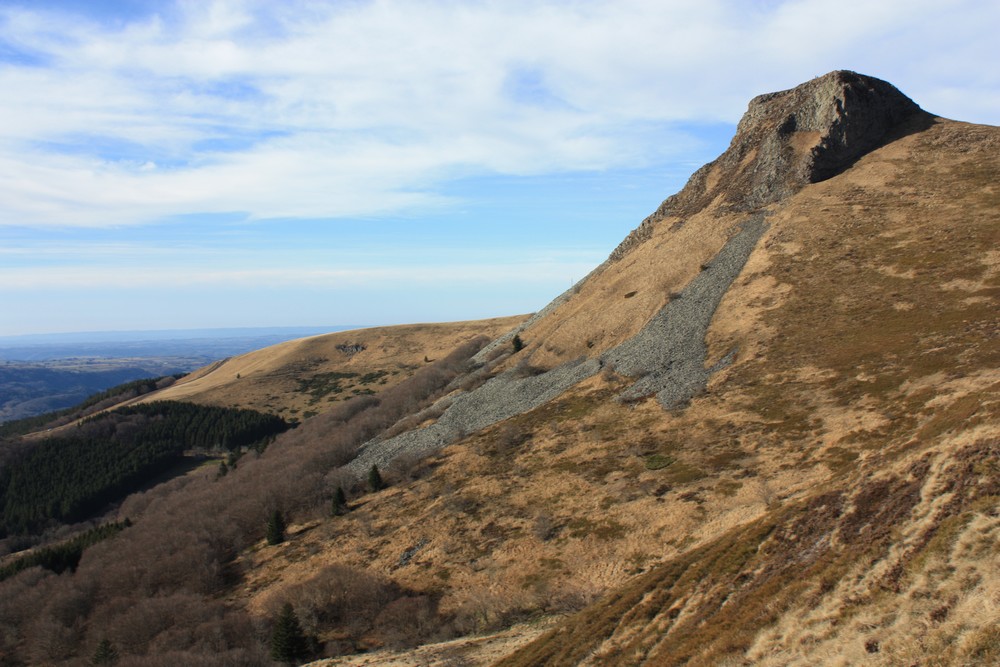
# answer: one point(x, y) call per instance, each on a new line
point(785, 141)
point(844, 396)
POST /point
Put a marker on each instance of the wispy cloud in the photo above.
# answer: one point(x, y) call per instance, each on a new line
point(298, 109)
point(88, 277)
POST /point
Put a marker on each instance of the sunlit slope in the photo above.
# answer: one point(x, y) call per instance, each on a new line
point(306, 376)
point(831, 496)
point(785, 142)
point(869, 364)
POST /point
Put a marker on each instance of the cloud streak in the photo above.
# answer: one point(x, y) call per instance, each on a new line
point(83, 277)
point(306, 110)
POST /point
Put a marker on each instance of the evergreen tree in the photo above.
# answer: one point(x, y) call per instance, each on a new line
point(517, 343)
point(375, 479)
point(276, 528)
point(339, 502)
point(105, 654)
point(288, 643)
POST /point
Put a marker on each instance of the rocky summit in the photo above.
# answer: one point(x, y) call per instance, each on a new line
point(789, 139)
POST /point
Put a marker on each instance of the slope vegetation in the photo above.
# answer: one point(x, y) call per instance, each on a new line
point(304, 377)
point(866, 324)
point(856, 360)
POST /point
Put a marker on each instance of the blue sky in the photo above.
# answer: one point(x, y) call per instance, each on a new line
point(238, 163)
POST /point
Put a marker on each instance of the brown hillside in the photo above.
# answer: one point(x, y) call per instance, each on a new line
point(866, 400)
point(308, 376)
point(841, 470)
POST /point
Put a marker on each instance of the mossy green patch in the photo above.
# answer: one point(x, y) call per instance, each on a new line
point(658, 461)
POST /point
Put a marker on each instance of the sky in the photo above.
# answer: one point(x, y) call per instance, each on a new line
point(238, 163)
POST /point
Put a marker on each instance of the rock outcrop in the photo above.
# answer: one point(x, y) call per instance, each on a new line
point(787, 140)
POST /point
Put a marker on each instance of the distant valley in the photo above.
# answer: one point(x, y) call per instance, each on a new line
point(41, 373)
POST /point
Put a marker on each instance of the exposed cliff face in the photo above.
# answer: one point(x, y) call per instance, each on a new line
point(808, 134)
point(789, 139)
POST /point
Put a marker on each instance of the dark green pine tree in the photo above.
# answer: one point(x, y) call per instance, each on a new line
point(276, 528)
point(375, 479)
point(288, 643)
point(517, 343)
point(105, 654)
point(339, 502)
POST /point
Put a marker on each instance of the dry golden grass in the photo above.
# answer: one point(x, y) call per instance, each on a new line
point(477, 650)
point(303, 377)
point(838, 384)
point(619, 298)
point(827, 500)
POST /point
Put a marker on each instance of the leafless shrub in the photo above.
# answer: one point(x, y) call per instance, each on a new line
point(411, 422)
point(179, 622)
point(154, 588)
point(253, 657)
point(408, 466)
point(408, 622)
point(544, 527)
point(337, 596)
point(50, 640)
point(609, 375)
point(563, 600)
point(524, 369)
point(499, 353)
point(479, 375)
point(510, 436)
point(486, 611)
point(504, 441)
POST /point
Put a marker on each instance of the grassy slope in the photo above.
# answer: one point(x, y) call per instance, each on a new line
point(866, 378)
point(310, 375)
point(871, 367)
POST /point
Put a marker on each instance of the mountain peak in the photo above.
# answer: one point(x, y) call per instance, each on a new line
point(850, 113)
point(789, 139)
point(809, 133)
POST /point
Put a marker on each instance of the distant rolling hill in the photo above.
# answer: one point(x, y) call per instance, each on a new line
point(308, 376)
point(27, 390)
point(41, 373)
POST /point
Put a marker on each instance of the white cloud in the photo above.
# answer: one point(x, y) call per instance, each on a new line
point(88, 277)
point(364, 108)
